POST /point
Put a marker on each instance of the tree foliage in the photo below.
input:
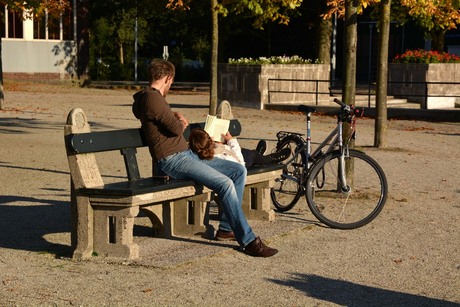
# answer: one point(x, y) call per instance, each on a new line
point(38, 7)
point(261, 11)
point(435, 17)
point(442, 14)
point(338, 7)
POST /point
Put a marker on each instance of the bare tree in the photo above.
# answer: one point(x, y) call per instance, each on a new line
point(380, 135)
point(324, 34)
point(324, 48)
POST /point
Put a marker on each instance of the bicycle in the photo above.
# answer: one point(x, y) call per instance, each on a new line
point(344, 187)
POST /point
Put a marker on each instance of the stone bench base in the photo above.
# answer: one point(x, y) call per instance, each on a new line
point(113, 218)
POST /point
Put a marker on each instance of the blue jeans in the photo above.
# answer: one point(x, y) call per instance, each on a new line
point(226, 178)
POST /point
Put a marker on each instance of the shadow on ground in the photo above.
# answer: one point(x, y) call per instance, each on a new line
point(345, 293)
point(24, 227)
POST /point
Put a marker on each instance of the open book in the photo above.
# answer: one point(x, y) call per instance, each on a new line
point(215, 127)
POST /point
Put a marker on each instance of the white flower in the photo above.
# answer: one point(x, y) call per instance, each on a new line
point(295, 59)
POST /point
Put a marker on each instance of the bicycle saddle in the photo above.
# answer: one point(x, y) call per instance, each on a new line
point(306, 109)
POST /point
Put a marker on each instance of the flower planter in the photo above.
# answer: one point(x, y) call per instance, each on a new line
point(249, 85)
point(412, 81)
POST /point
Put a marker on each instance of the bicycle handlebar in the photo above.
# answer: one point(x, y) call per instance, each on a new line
point(349, 110)
point(343, 105)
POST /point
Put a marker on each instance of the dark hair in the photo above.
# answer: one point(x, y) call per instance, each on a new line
point(159, 68)
point(201, 143)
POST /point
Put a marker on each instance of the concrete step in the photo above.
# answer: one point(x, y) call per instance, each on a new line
point(364, 100)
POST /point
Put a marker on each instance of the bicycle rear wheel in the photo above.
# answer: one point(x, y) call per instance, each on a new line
point(350, 209)
point(287, 189)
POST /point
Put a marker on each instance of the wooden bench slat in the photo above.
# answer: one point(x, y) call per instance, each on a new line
point(100, 141)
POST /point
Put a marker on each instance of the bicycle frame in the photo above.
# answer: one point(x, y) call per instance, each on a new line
point(331, 142)
point(344, 188)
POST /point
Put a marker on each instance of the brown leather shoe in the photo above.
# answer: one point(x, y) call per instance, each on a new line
point(222, 235)
point(258, 249)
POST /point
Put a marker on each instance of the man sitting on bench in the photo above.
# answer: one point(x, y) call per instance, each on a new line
point(163, 130)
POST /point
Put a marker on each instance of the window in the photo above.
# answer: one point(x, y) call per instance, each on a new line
point(53, 27)
point(45, 26)
point(2, 24)
point(15, 25)
point(67, 24)
point(39, 27)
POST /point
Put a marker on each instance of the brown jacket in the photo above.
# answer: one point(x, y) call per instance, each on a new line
point(163, 131)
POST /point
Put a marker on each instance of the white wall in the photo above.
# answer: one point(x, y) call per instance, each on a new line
point(50, 56)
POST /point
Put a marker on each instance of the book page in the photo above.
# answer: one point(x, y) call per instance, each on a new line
point(215, 127)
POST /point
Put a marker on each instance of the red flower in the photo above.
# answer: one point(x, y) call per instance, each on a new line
point(424, 56)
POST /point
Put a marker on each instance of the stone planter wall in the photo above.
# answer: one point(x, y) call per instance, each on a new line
point(247, 85)
point(414, 92)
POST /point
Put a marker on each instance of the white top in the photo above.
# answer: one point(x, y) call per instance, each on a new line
point(230, 151)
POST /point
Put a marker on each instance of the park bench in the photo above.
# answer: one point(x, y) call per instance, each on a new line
point(103, 213)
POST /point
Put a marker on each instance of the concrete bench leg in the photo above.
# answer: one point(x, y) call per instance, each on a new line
point(257, 202)
point(155, 214)
point(82, 227)
point(114, 231)
point(186, 216)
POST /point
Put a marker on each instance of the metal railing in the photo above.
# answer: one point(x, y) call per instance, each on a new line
point(315, 92)
point(422, 93)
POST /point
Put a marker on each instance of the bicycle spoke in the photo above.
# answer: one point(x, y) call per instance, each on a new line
point(354, 208)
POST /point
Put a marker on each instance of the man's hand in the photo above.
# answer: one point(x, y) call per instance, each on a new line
point(182, 119)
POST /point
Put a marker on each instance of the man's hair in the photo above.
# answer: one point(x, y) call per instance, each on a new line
point(201, 143)
point(159, 68)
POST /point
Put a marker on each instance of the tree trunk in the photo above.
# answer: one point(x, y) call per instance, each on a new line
point(437, 39)
point(324, 36)
point(380, 133)
point(350, 44)
point(83, 40)
point(214, 58)
point(349, 71)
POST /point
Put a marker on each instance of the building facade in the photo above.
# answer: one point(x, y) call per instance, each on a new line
point(39, 46)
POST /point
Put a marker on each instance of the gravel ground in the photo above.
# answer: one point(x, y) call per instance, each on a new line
point(408, 256)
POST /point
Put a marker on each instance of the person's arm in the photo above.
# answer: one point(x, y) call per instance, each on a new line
point(182, 119)
point(236, 148)
point(158, 110)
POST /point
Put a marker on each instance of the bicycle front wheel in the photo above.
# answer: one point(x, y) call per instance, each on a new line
point(351, 207)
point(287, 188)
